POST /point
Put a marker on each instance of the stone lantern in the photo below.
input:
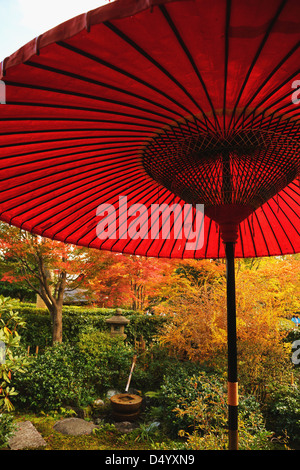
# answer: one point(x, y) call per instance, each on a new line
point(117, 324)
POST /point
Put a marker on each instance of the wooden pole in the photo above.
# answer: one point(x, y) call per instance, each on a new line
point(232, 349)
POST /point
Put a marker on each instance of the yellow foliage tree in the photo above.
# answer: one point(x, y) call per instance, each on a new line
point(267, 294)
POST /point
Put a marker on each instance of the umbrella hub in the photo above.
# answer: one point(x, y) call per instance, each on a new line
point(231, 175)
point(228, 217)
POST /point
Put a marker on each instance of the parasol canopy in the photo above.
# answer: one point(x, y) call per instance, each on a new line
point(153, 105)
point(154, 100)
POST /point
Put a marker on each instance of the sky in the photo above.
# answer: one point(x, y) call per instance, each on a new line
point(23, 20)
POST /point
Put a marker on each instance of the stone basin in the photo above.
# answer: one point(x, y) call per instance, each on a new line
point(126, 402)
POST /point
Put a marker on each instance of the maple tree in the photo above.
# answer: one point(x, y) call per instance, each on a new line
point(193, 300)
point(126, 280)
point(48, 267)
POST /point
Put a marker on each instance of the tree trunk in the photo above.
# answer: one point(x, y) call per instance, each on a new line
point(56, 314)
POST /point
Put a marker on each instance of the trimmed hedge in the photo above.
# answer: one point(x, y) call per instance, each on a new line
point(38, 331)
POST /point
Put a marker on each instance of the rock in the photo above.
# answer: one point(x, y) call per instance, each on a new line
point(74, 426)
point(125, 427)
point(26, 437)
point(111, 393)
point(98, 403)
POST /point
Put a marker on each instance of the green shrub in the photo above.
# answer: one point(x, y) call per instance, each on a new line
point(181, 392)
point(147, 326)
point(284, 411)
point(108, 359)
point(77, 319)
point(7, 428)
point(152, 366)
point(196, 406)
point(55, 379)
point(74, 375)
point(13, 359)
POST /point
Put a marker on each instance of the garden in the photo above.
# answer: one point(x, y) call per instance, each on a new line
point(184, 405)
point(59, 359)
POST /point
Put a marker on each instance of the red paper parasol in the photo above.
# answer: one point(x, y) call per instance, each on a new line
point(164, 104)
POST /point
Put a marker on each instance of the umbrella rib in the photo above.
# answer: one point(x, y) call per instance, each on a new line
point(251, 235)
point(80, 174)
point(46, 177)
point(61, 119)
point(120, 185)
point(272, 230)
point(297, 185)
point(55, 165)
point(289, 195)
point(54, 149)
point(67, 139)
point(261, 113)
point(125, 221)
point(219, 243)
point(59, 131)
point(141, 51)
point(173, 246)
point(84, 201)
point(163, 241)
point(273, 120)
point(146, 201)
point(81, 152)
point(297, 215)
point(81, 108)
point(190, 58)
point(166, 194)
point(208, 237)
point(128, 177)
point(199, 232)
point(89, 97)
point(151, 190)
point(280, 224)
point(258, 52)
point(241, 240)
point(265, 82)
point(125, 73)
point(160, 230)
point(101, 84)
point(136, 142)
point(184, 249)
point(262, 232)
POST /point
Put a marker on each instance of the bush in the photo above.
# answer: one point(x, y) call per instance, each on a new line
point(7, 429)
point(76, 319)
point(55, 379)
point(74, 375)
point(151, 368)
point(12, 358)
point(195, 407)
point(191, 400)
point(108, 360)
point(147, 326)
point(284, 411)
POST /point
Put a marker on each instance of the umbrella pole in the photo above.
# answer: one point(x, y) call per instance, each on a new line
point(232, 349)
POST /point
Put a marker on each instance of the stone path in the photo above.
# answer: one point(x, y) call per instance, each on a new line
point(26, 437)
point(74, 426)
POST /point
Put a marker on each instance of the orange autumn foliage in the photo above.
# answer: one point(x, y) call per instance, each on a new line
point(267, 291)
